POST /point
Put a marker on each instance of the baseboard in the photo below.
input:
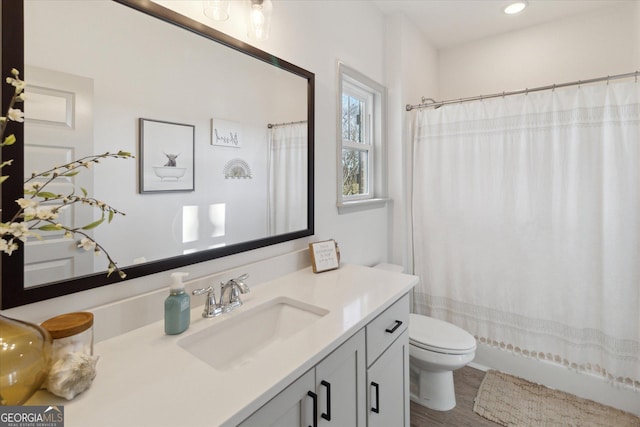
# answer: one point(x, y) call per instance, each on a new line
point(480, 367)
point(557, 377)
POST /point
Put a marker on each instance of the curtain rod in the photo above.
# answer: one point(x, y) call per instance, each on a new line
point(437, 104)
point(272, 125)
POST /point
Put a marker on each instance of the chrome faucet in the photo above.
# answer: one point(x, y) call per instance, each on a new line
point(230, 293)
point(229, 296)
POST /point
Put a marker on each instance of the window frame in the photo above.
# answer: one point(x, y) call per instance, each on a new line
point(357, 85)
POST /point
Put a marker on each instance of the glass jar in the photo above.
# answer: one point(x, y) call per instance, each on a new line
point(24, 360)
point(71, 333)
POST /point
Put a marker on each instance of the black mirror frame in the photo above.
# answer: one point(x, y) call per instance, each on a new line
point(12, 291)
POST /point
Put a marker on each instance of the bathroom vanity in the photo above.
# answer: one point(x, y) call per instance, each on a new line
point(304, 349)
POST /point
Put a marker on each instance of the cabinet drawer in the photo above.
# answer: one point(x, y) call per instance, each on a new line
point(385, 328)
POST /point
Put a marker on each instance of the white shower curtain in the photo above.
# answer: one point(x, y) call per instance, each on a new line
point(287, 210)
point(526, 224)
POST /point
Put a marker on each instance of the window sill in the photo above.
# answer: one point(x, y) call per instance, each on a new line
point(361, 205)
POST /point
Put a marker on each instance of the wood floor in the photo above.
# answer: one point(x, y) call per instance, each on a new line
point(466, 382)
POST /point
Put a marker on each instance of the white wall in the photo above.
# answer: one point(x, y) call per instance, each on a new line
point(600, 43)
point(637, 36)
point(411, 73)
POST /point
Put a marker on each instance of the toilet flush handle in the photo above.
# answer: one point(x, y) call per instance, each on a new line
point(395, 327)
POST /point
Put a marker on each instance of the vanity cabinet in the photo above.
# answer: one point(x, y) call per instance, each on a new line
point(364, 382)
point(388, 367)
point(330, 394)
point(388, 386)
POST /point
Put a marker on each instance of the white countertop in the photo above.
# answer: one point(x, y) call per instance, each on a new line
point(146, 379)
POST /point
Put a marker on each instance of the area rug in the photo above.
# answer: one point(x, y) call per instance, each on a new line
point(512, 401)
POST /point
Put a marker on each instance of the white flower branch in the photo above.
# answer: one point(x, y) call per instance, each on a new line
point(32, 215)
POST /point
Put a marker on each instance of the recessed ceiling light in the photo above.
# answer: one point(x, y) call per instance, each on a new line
point(515, 7)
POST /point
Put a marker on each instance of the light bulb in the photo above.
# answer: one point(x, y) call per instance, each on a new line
point(259, 19)
point(218, 10)
point(515, 7)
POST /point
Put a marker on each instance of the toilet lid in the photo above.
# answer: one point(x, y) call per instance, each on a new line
point(439, 336)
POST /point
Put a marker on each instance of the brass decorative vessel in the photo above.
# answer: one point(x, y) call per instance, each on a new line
point(25, 349)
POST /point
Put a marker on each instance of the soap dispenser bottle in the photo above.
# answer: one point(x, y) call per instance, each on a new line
point(177, 307)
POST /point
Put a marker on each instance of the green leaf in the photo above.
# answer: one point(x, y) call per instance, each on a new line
point(47, 195)
point(93, 224)
point(110, 216)
point(73, 173)
point(3, 178)
point(50, 227)
point(9, 140)
point(84, 191)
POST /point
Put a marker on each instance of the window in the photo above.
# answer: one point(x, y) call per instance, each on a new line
point(357, 149)
point(362, 102)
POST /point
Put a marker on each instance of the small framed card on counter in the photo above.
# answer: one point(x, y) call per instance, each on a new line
point(325, 255)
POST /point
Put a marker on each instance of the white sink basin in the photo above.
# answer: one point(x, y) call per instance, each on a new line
point(237, 340)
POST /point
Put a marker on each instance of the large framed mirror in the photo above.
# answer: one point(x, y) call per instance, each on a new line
point(236, 123)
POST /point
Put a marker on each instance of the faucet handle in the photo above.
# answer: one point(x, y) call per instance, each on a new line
point(240, 282)
point(211, 308)
point(208, 290)
point(230, 293)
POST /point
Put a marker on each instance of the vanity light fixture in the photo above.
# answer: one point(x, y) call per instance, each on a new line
point(515, 7)
point(218, 10)
point(259, 19)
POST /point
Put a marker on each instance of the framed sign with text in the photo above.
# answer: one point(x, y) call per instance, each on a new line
point(226, 133)
point(325, 255)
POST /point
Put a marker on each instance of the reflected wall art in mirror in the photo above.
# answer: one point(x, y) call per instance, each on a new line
point(187, 101)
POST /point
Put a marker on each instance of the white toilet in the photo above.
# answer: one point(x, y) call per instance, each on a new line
point(436, 349)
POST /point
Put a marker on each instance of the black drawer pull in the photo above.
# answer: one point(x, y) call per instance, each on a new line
point(376, 408)
point(327, 415)
point(314, 397)
point(395, 327)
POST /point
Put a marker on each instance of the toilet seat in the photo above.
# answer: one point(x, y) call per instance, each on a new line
point(439, 336)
